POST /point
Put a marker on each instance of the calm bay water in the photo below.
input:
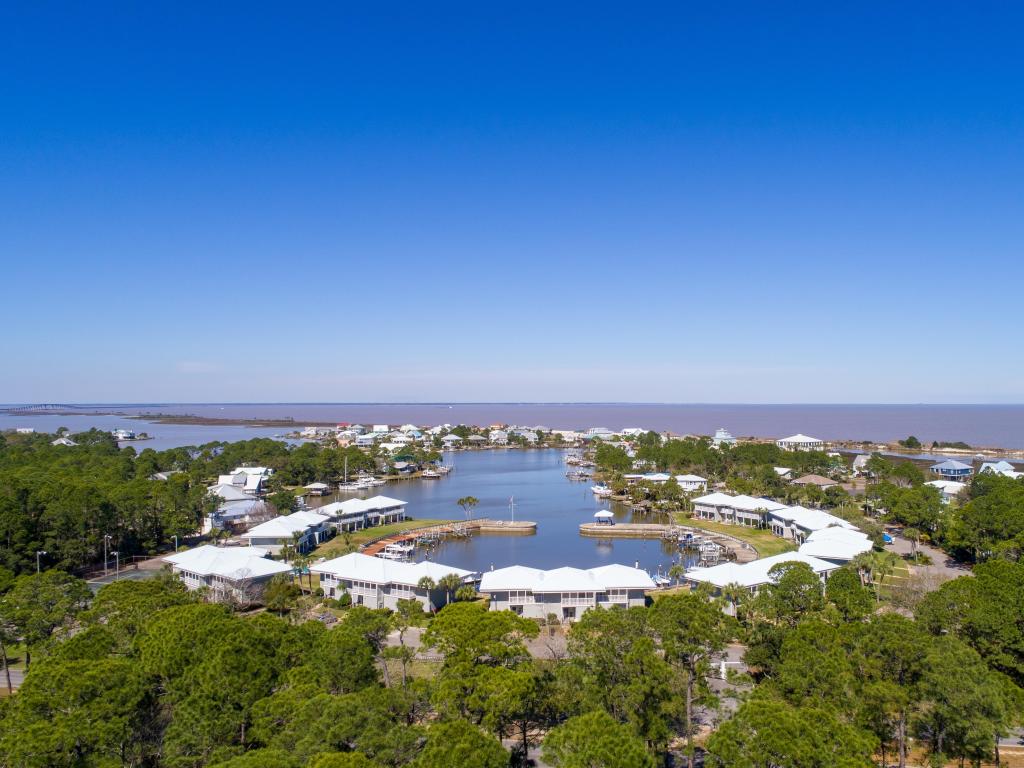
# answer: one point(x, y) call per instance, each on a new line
point(980, 425)
point(536, 479)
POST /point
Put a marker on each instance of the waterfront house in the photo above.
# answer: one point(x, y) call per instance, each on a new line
point(366, 441)
point(451, 441)
point(800, 442)
point(657, 478)
point(477, 440)
point(301, 530)
point(952, 470)
point(949, 489)
point(754, 575)
point(65, 441)
point(379, 583)
point(836, 544)
point(692, 483)
point(821, 482)
point(236, 574)
point(498, 437)
point(528, 435)
point(1004, 468)
point(722, 437)
point(317, 489)
point(123, 434)
point(737, 510)
point(564, 592)
point(356, 514)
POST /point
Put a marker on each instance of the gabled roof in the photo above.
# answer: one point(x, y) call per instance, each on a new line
point(229, 492)
point(690, 479)
point(951, 464)
point(360, 506)
point(799, 438)
point(810, 519)
point(755, 573)
point(814, 480)
point(285, 526)
point(566, 579)
point(228, 562)
point(356, 565)
point(836, 543)
point(743, 502)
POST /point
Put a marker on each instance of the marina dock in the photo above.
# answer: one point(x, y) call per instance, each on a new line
point(454, 529)
point(742, 551)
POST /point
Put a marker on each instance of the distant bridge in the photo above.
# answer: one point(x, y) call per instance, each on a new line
point(44, 408)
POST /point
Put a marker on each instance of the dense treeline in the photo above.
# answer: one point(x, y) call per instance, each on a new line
point(146, 675)
point(64, 499)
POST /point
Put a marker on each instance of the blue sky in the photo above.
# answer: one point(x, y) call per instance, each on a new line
point(725, 203)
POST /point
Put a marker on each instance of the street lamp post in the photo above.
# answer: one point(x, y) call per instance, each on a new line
point(39, 553)
point(117, 564)
point(106, 558)
point(175, 542)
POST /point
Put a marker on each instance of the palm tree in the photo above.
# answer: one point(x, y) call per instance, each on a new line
point(429, 585)
point(450, 582)
point(676, 572)
point(468, 503)
point(914, 536)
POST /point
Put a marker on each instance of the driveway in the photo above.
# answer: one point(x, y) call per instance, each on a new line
point(942, 568)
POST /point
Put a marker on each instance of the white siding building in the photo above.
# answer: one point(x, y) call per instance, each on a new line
point(737, 510)
point(303, 530)
point(800, 443)
point(231, 573)
point(754, 575)
point(379, 583)
point(564, 592)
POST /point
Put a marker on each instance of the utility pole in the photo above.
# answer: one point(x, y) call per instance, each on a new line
point(39, 553)
point(106, 557)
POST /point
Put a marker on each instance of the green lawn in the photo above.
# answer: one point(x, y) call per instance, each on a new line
point(339, 546)
point(764, 541)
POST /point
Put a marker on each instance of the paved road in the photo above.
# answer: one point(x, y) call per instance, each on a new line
point(942, 567)
point(17, 678)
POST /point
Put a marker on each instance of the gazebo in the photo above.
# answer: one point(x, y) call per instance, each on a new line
point(604, 517)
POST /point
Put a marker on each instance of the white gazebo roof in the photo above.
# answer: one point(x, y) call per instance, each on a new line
point(604, 514)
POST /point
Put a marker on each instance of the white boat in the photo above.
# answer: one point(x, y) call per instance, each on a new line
point(601, 491)
point(430, 474)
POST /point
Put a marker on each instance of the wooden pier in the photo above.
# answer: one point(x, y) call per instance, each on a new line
point(454, 529)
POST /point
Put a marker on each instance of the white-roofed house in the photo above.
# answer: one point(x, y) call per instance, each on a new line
point(498, 437)
point(564, 592)
point(301, 530)
point(1004, 468)
point(722, 437)
point(356, 514)
point(379, 583)
point(835, 544)
point(451, 441)
point(737, 510)
point(65, 441)
point(691, 483)
point(800, 442)
point(238, 574)
point(949, 489)
point(797, 523)
point(754, 575)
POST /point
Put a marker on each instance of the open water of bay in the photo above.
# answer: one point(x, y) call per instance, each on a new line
point(979, 425)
